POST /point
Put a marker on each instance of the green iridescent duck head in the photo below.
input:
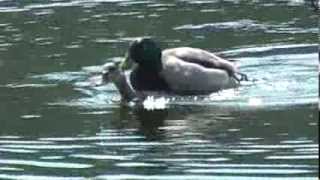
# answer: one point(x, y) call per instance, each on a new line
point(146, 53)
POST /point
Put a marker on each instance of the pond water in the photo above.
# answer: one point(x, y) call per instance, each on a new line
point(56, 124)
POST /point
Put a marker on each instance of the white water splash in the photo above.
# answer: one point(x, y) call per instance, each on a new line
point(151, 103)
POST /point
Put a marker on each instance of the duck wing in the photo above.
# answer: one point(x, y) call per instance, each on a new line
point(202, 58)
point(191, 78)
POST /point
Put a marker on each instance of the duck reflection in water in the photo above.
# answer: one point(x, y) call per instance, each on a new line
point(148, 122)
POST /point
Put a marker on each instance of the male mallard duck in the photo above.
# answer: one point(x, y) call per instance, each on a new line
point(182, 71)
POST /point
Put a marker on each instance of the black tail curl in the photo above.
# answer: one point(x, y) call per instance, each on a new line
point(240, 77)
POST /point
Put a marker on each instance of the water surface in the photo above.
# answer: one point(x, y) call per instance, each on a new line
point(56, 124)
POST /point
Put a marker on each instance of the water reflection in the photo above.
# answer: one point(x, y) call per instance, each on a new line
point(150, 121)
point(195, 140)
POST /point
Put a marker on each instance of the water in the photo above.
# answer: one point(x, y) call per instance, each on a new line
point(56, 124)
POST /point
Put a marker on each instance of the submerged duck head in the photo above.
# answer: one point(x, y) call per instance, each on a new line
point(146, 53)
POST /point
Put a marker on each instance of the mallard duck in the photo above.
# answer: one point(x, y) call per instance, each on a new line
point(182, 71)
point(112, 72)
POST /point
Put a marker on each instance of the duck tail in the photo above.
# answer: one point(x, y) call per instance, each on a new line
point(240, 76)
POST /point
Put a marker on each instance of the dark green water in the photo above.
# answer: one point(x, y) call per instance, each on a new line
point(55, 124)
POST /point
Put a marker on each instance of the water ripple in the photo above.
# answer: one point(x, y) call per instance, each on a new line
point(92, 138)
point(102, 157)
point(232, 134)
point(48, 147)
point(292, 157)
point(64, 165)
point(138, 164)
point(12, 150)
point(247, 165)
point(33, 177)
point(193, 177)
point(144, 144)
point(23, 142)
point(249, 171)
point(246, 25)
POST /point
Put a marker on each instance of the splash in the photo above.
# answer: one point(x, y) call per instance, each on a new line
point(151, 103)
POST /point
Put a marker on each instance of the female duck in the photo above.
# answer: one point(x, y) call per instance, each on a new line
point(112, 72)
point(182, 71)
